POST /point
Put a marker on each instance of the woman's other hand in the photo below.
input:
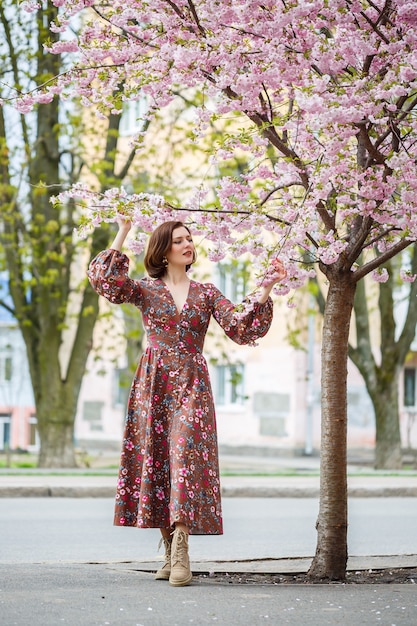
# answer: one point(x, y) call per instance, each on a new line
point(125, 225)
point(275, 273)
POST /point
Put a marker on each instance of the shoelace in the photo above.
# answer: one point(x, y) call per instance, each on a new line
point(180, 549)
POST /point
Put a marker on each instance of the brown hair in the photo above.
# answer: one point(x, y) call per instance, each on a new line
point(160, 243)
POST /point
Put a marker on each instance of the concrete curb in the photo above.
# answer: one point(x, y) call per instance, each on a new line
point(244, 491)
point(297, 565)
point(53, 491)
point(44, 484)
point(280, 565)
point(312, 492)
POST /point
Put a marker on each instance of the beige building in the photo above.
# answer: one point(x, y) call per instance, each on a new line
point(266, 396)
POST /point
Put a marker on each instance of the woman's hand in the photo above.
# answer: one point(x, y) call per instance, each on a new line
point(275, 274)
point(125, 225)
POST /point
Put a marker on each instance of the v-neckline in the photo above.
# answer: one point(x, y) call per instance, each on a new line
point(179, 313)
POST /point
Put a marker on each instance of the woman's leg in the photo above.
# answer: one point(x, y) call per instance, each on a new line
point(182, 527)
point(166, 533)
point(164, 572)
point(180, 563)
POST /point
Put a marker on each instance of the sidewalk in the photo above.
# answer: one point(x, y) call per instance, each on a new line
point(64, 561)
point(99, 595)
point(296, 477)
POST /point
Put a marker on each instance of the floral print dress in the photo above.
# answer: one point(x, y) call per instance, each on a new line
point(169, 469)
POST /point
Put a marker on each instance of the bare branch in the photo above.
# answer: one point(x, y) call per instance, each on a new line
point(125, 169)
point(176, 9)
point(366, 269)
point(272, 191)
point(7, 308)
point(196, 18)
point(13, 57)
point(367, 143)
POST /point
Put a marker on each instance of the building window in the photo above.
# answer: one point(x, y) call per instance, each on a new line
point(6, 368)
point(409, 386)
point(121, 388)
point(5, 423)
point(230, 384)
point(33, 431)
point(232, 280)
point(92, 413)
point(131, 121)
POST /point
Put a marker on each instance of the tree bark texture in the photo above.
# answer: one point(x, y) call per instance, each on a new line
point(388, 437)
point(331, 553)
point(56, 432)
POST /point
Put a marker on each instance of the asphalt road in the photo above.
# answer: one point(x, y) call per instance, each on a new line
point(34, 530)
point(63, 562)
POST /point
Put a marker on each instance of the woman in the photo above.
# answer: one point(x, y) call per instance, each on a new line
point(169, 472)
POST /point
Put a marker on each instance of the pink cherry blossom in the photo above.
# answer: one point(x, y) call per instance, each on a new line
point(320, 98)
point(407, 276)
point(380, 275)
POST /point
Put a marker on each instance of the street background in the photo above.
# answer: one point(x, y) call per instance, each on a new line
point(63, 562)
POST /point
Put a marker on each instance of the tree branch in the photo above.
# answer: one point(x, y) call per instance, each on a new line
point(126, 167)
point(13, 57)
point(409, 329)
point(196, 18)
point(377, 156)
point(381, 259)
point(401, 117)
point(7, 307)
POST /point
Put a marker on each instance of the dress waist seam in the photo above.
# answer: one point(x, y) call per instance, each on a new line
point(173, 350)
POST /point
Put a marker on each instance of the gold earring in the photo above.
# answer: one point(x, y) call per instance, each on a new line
point(164, 261)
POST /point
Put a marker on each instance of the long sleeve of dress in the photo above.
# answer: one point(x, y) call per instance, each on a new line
point(243, 324)
point(108, 274)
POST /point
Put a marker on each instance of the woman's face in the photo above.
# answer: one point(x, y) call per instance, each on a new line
point(182, 247)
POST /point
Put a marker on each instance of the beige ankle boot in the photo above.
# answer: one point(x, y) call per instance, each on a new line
point(164, 572)
point(180, 563)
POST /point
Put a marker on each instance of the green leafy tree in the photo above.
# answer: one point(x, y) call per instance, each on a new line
point(379, 349)
point(41, 153)
point(381, 371)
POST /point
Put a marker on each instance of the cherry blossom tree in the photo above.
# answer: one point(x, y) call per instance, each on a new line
point(323, 98)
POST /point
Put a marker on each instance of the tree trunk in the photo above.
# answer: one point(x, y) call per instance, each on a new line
point(56, 431)
point(382, 379)
point(388, 438)
point(331, 553)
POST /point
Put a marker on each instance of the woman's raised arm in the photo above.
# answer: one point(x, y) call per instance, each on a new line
point(275, 274)
point(124, 227)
